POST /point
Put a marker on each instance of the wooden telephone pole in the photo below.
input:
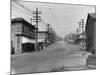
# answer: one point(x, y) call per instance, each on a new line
point(81, 25)
point(36, 19)
point(77, 32)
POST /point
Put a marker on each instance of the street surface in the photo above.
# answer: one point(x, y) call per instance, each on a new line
point(60, 56)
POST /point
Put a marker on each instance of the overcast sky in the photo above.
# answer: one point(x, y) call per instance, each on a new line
point(63, 18)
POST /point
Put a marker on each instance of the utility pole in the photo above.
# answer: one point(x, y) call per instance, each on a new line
point(77, 32)
point(36, 28)
point(81, 25)
point(31, 20)
point(37, 19)
point(48, 30)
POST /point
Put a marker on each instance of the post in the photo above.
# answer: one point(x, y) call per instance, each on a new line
point(48, 29)
point(77, 32)
point(81, 24)
point(48, 36)
point(82, 34)
point(36, 29)
point(31, 20)
point(36, 19)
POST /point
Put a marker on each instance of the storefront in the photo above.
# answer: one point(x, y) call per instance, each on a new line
point(22, 36)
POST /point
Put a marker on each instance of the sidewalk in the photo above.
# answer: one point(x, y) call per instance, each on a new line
point(91, 61)
point(74, 68)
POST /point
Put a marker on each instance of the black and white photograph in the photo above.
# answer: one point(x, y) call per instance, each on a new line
point(52, 37)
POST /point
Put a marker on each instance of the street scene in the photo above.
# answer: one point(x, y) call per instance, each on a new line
point(52, 37)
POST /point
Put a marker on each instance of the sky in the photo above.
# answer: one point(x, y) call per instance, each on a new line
point(63, 18)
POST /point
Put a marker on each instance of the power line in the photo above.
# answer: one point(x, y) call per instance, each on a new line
point(52, 15)
point(23, 7)
point(23, 14)
point(20, 17)
point(15, 15)
point(43, 21)
point(20, 10)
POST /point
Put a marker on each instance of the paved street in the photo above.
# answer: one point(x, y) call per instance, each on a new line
point(57, 57)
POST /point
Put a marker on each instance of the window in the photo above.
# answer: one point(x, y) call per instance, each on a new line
point(18, 43)
point(19, 28)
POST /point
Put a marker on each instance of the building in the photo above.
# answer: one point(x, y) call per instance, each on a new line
point(22, 34)
point(80, 38)
point(91, 33)
point(42, 37)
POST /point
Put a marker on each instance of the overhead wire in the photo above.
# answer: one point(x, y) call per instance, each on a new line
point(21, 13)
point(43, 22)
point(20, 10)
point(29, 10)
point(23, 6)
point(53, 15)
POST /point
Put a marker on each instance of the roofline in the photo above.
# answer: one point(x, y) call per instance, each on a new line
point(21, 20)
point(42, 31)
point(90, 14)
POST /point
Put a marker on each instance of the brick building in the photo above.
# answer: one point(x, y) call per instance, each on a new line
point(21, 32)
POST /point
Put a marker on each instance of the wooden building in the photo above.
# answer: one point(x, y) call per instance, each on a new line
point(42, 37)
point(21, 32)
point(91, 33)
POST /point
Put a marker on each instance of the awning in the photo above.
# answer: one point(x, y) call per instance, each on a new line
point(41, 40)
